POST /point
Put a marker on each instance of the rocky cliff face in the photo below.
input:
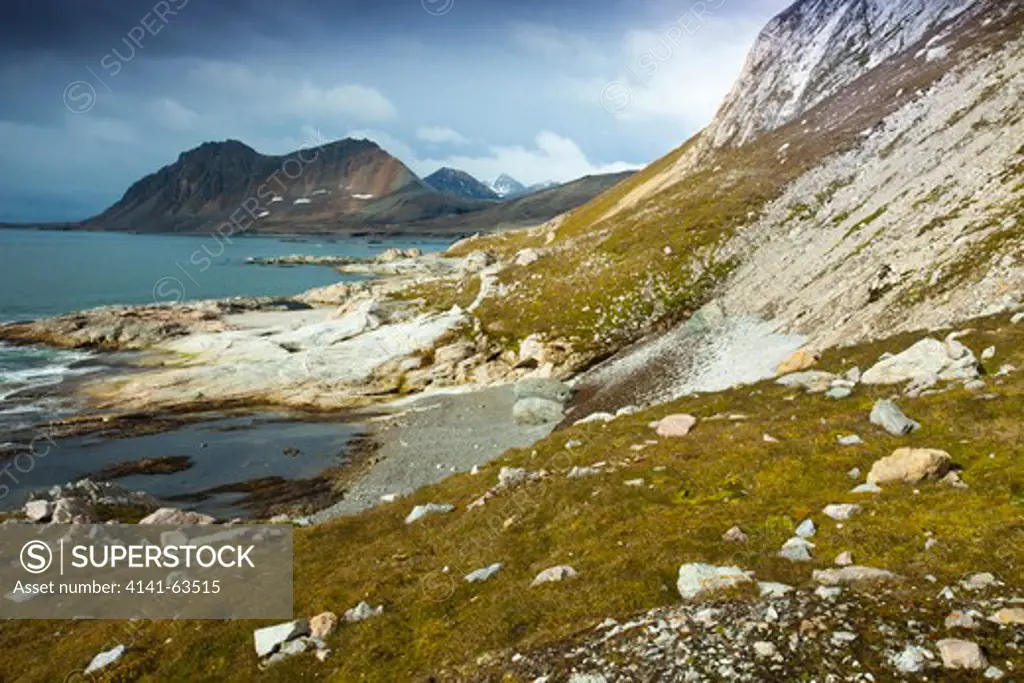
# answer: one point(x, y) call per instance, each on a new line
point(866, 201)
point(815, 48)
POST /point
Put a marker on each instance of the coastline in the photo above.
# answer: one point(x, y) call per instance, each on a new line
point(187, 366)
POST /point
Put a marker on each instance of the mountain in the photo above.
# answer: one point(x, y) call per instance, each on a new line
point(340, 184)
point(507, 186)
point(459, 183)
point(812, 50)
point(863, 177)
point(348, 186)
point(537, 187)
point(532, 208)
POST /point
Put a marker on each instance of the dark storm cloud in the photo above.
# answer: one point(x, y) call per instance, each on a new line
point(97, 93)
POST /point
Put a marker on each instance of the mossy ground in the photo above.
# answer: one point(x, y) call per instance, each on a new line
point(627, 542)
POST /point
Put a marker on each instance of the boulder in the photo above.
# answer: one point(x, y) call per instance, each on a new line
point(806, 529)
point(913, 659)
point(104, 659)
point(554, 575)
point(547, 389)
point(38, 510)
point(813, 381)
point(362, 612)
point(531, 348)
point(484, 573)
point(697, 580)
point(525, 257)
point(71, 511)
point(537, 411)
point(421, 511)
point(852, 575)
point(475, 262)
point(675, 425)
point(841, 513)
point(961, 654)
point(322, 625)
point(269, 639)
point(454, 353)
point(797, 362)
point(773, 590)
point(796, 549)
point(948, 360)
point(889, 417)
point(910, 465)
point(176, 517)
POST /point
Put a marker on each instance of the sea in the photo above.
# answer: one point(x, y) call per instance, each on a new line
point(47, 273)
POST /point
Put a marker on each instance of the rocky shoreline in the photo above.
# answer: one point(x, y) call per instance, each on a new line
point(356, 349)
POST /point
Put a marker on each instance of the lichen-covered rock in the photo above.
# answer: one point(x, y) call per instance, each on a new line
point(697, 580)
point(910, 465)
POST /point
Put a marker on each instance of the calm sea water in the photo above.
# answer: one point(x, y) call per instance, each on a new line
point(48, 273)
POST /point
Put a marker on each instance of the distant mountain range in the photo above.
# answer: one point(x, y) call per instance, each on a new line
point(345, 186)
point(459, 183)
point(507, 187)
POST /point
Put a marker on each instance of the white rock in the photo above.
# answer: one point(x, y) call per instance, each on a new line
point(889, 417)
point(595, 417)
point(421, 511)
point(554, 575)
point(806, 529)
point(105, 659)
point(797, 549)
point(485, 573)
point(841, 513)
point(867, 488)
point(994, 673)
point(773, 590)
point(989, 353)
point(696, 580)
point(270, 638)
point(675, 425)
point(176, 517)
point(580, 472)
point(735, 535)
point(764, 649)
point(852, 575)
point(852, 440)
point(949, 360)
point(535, 411)
point(362, 612)
point(912, 660)
point(980, 581)
point(828, 592)
point(844, 559)
point(843, 637)
point(38, 510)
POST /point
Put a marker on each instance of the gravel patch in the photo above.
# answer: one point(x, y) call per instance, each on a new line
point(431, 438)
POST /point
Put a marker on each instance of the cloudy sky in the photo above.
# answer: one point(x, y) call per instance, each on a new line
point(98, 93)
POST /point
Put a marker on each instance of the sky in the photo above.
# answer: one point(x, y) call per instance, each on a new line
point(98, 93)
